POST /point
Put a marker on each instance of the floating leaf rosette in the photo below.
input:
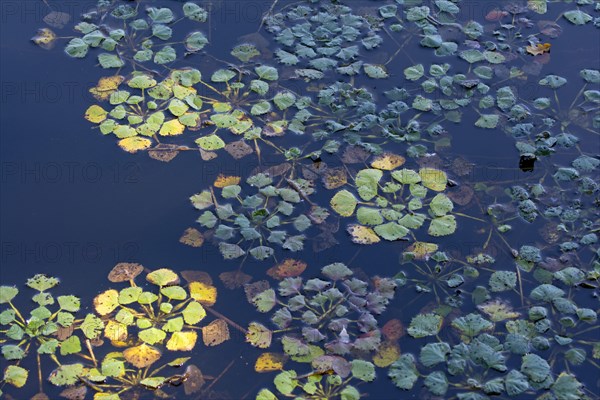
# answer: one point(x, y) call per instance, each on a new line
point(142, 318)
point(337, 314)
point(270, 214)
point(318, 39)
point(390, 208)
point(142, 112)
point(125, 33)
point(43, 330)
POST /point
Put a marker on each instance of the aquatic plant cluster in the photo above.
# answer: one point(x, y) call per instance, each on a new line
point(526, 328)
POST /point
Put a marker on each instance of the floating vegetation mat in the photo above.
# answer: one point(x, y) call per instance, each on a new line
point(352, 122)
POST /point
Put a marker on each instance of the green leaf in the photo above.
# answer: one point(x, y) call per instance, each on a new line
point(41, 282)
point(69, 303)
point(285, 382)
point(195, 41)
point(7, 293)
point(210, 142)
point(344, 203)
point(434, 353)
point(222, 75)
point(195, 12)
point(501, 281)
point(110, 61)
point(403, 372)
point(15, 376)
point(535, 368)
point(76, 48)
point(442, 226)
point(363, 370)
point(515, 383)
point(66, 374)
point(71, 345)
point(487, 121)
point(267, 73)
point(577, 17)
point(165, 55)
point(437, 383)
point(414, 73)
point(424, 325)
point(375, 71)
point(471, 324)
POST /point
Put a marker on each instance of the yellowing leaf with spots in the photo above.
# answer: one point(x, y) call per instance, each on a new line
point(44, 38)
point(171, 128)
point(142, 356)
point(95, 114)
point(362, 234)
point(106, 86)
point(498, 311)
point(387, 353)
point(115, 331)
point(134, 144)
point(433, 179)
point(422, 250)
point(224, 180)
point(215, 333)
point(259, 335)
point(182, 341)
point(388, 161)
point(203, 293)
point(269, 362)
point(106, 302)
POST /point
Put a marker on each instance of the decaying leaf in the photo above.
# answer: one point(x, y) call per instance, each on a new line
point(164, 152)
point(106, 86)
point(255, 288)
point(142, 356)
point(203, 293)
point(538, 49)
point(387, 353)
point(259, 335)
point(393, 329)
point(288, 268)
point(195, 380)
point(44, 38)
point(269, 362)
point(123, 272)
point(134, 144)
point(498, 310)
point(234, 279)
point(334, 178)
point(224, 180)
point(422, 250)
point(362, 234)
point(388, 161)
point(197, 276)
point(215, 333)
point(238, 149)
point(192, 237)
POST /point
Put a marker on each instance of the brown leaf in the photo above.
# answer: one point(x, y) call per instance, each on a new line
point(393, 329)
point(287, 269)
point(74, 393)
point(238, 149)
point(252, 289)
point(195, 380)
point(164, 152)
point(334, 178)
point(234, 279)
point(215, 333)
point(355, 155)
point(197, 276)
point(461, 195)
point(123, 272)
point(192, 237)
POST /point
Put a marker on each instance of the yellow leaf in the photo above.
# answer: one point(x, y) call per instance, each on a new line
point(106, 302)
point(362, 234)
point(171, 128)
point(141, 356)
point(182, 341)
point(106, 86)
point(134, 144)
point(192, 237)
point(223, 180)
point(387, 353)
point(498, 310)
point(215, 333)
point(433, 179)
point(268, 362)
point(388, 161)
point(115, 331)
point(44, 38)
point(203, 293)
point(95, 114)
point(538, 49)
point(334, 178)
point(258, 335)
point(422, 250)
